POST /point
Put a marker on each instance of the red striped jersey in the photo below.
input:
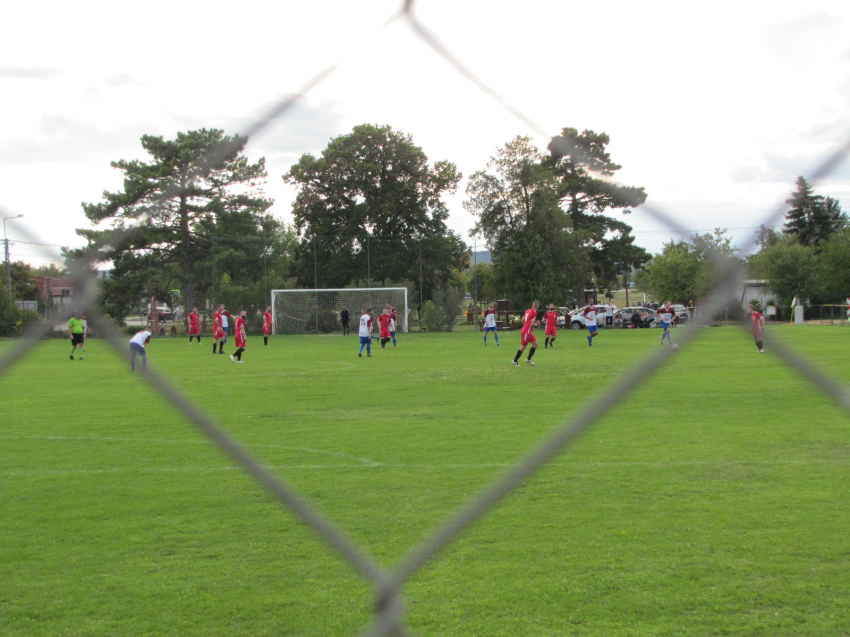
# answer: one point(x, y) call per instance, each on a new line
point(666, 314)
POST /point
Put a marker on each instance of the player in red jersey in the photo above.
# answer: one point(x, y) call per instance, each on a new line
point(194, 325)
point(267, 324)
point(589, 315)
point(551, 318)
point(528, 338)
point(241, 338)
point(384, 322)
point(394, 316)
point(757, 326)
point(218, 330)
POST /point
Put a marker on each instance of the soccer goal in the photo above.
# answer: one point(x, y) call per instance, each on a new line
point(317, 311)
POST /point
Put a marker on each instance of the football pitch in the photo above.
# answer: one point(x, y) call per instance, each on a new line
point(715, 500)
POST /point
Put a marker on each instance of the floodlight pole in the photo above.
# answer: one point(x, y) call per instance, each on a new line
point(475, 278)
point(8, 264)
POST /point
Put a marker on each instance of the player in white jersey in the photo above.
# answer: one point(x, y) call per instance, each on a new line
point(589, 315)
point(490, 323)
point(666, 313)
point(366, 332)
point(137, 348)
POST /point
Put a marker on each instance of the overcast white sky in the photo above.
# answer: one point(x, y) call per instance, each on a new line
point(714, 109)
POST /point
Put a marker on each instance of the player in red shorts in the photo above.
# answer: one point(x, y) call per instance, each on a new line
point(757, 325)
point(267, 324)
point(194, 325)
point(241, 338)
point(528, 337)
point(551, 318)
point(218, 330)
point(384, 322)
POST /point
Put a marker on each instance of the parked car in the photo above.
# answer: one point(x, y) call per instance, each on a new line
point(628, 312)
point(681, 313)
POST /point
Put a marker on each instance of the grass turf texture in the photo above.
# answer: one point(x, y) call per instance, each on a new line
point(714, 501)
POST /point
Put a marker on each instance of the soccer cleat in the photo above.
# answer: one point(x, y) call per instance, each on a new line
point(231, 358)
point(761, 351)
point(395, 346)
point(72, 357)
point(240, 361)
point(360, 355)
point(81, 358)
point(369, 355)
point(530, 362)
point(515, 363)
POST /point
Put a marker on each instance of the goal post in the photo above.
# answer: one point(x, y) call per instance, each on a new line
point(317, 311)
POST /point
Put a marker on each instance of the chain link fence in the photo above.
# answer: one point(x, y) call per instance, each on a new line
point(388, 585)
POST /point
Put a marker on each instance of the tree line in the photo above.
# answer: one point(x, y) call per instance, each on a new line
point(369, 210)
point(806, 258)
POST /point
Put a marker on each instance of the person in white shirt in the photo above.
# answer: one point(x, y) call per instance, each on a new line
point(490, 323)
point(366, 332)
point(137, 348)
point(224, 325)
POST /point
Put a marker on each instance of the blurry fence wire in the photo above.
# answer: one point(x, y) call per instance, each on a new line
point(388, 584)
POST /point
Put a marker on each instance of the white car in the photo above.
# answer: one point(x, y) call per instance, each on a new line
point(577, 320)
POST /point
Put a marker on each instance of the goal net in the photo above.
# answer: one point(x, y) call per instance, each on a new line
point(317, 311)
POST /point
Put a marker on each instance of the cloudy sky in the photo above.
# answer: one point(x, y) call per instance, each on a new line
point(715, 110)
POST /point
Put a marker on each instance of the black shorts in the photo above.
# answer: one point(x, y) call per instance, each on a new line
point(78, 339)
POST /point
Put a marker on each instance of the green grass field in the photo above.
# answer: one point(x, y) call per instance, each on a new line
point(714, 501)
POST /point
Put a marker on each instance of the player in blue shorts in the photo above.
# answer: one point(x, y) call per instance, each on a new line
point(666, 313)
point(490, 323)
point(366, 332)
point(589, 315)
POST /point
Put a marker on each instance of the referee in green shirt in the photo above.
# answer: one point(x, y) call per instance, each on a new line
point(76, 334)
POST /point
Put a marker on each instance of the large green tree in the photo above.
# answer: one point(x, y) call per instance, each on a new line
point(812, 219)
point(687, 270)
point(190, 186)
point(24, 285)
point(536, 252)
point(582, 166)
point(367, 206)
point(791, 269)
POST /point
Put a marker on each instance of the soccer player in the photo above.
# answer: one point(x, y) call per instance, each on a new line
point(194, 325)
point(76, 332)
point(528, 322)
point(267, 324)
point(490, 323)
point(218, 333)
point(393, 330)
point(345, 319)
point(589, 315)
point(241, 338)
point(551, 318)
point(394, 316)
point(137, 348)
point(366, 332)
point(665, 316)
point(757, 326)
point(225, 327)
point(384, 321)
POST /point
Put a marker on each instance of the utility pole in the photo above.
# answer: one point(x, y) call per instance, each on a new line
point(8, 264)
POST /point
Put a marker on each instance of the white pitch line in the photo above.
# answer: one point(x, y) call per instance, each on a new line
point(291, 467)
point(363, 461)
